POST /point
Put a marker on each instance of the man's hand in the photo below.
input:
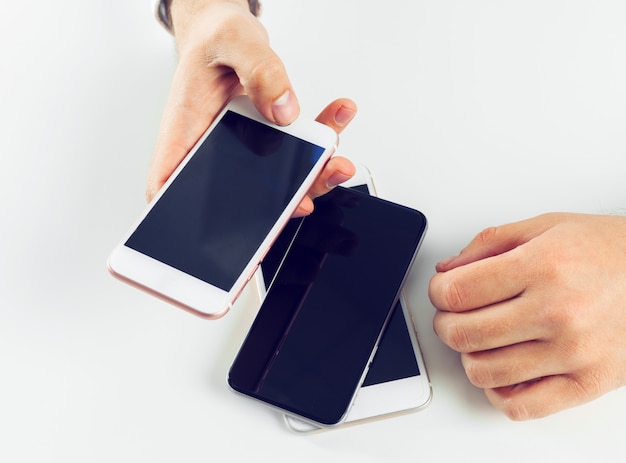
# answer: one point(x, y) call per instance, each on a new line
point(537, 310)
point(223, 52)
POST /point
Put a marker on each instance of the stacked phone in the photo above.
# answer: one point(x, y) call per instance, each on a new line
point(315, 352)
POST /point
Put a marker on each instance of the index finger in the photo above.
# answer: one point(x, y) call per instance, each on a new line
point(479, 284)
point(336, 115)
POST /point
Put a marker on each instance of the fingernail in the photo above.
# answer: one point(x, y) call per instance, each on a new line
point(336, 179)
point(343, 116)
point(285, 108)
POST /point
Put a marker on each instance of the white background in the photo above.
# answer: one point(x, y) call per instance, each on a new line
point(474, 112)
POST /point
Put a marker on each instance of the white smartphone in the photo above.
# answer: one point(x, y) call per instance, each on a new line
point(202, 237)
point(397, 381)
point(310, 346)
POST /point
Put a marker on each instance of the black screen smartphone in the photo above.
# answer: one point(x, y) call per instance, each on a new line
point(397, 381)
point(309, 348)
point(396, 357)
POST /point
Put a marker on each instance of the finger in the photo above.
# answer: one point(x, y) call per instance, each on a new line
point(494, 241)
point(338, 114)
point(269, 89)
point(542, 397)
point(491, 327)
point(337, 170)
point(304, 208)
point(479, 284)
point(514, 364)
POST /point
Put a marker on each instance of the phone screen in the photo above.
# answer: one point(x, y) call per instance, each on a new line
point(309, 346)
point(395, 357)
point(216, 213)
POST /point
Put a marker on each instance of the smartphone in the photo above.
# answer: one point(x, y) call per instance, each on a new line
point(309, 348)
point(202, 237)
point(397, 381)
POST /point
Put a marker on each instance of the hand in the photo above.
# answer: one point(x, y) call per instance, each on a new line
point(223, 52)
point(537, 310)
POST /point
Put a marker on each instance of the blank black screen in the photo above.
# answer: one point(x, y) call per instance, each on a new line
point(216, 213)
point(313, 336)
point(395, 357)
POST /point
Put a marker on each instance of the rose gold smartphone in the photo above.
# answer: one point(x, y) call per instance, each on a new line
point(202, 237)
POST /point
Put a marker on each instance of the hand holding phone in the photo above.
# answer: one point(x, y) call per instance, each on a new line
point(201, 238)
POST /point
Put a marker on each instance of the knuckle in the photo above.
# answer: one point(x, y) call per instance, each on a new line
point(563, 318)
point(477, 372)
point(592, 383)
point(265, 73)
point(486, 236)
point(454, 295)
point(517, 411)
point(456, 336)
point(577, 350)
point(553, 318)
point(512, 404)
point(550, 266)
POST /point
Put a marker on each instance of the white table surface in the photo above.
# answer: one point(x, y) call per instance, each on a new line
point(474, 112)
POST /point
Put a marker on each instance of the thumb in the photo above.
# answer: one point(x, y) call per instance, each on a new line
point(265, 81)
